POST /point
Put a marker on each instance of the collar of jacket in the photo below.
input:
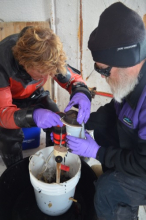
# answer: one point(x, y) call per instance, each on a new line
point(21, 72)
point(133, 97)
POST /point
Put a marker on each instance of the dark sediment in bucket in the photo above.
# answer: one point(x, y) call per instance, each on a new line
point(49, 176)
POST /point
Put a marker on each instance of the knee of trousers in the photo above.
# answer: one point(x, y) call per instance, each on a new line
point(11, 140)
point(104, 191)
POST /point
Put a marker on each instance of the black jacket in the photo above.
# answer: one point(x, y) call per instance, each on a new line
point(120, 130)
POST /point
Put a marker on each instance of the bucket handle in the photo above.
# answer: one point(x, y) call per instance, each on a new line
point(40, 154)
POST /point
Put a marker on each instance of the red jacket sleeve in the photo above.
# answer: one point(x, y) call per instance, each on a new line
point(7, 109)
point(73, 82)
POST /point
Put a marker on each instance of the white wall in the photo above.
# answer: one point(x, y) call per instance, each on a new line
point(24, 10)
point(64, 16)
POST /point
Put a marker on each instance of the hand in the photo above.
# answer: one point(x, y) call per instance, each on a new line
point(46, 119)
point(84, 106)
point(83, 147)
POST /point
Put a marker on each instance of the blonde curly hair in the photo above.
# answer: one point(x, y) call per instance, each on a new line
point(39, 47)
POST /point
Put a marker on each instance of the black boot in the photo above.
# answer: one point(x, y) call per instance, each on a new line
point(11, 158)
point(11, 145)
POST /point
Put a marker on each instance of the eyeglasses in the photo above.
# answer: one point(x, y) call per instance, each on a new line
point(104, 72)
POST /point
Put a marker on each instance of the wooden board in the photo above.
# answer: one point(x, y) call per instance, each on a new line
point(144, 20)
point(8, 28)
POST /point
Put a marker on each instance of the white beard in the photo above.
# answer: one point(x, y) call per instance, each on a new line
point(122, 86)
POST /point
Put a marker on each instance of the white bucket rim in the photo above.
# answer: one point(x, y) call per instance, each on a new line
point(61, 184)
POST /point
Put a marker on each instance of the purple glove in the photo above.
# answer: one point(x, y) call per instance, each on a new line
point(46, 119)
point(84, 106)
point(83, 147)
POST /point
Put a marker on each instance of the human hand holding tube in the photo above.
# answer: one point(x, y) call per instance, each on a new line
point(84, 104)
point(83, 147)
point(46, 119)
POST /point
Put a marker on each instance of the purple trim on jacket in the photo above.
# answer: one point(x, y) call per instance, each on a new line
point(134, 118)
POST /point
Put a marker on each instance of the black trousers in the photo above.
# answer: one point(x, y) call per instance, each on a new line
point(117, 195)
point(11, 139)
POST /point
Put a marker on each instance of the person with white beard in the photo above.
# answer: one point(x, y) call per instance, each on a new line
point(118, 48)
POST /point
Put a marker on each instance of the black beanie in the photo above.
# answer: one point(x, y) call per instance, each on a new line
point(120, 38)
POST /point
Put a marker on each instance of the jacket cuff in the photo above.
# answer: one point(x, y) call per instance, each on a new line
point(82, 89)
point(101, 154)
point(24, 118)
point(29, 117)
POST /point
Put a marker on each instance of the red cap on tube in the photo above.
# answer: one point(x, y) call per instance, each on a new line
point(65, 168)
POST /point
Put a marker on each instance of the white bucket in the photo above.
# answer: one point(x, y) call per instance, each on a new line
point(54, 199)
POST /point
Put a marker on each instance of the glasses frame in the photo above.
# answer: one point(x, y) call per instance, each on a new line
point(104, 72)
